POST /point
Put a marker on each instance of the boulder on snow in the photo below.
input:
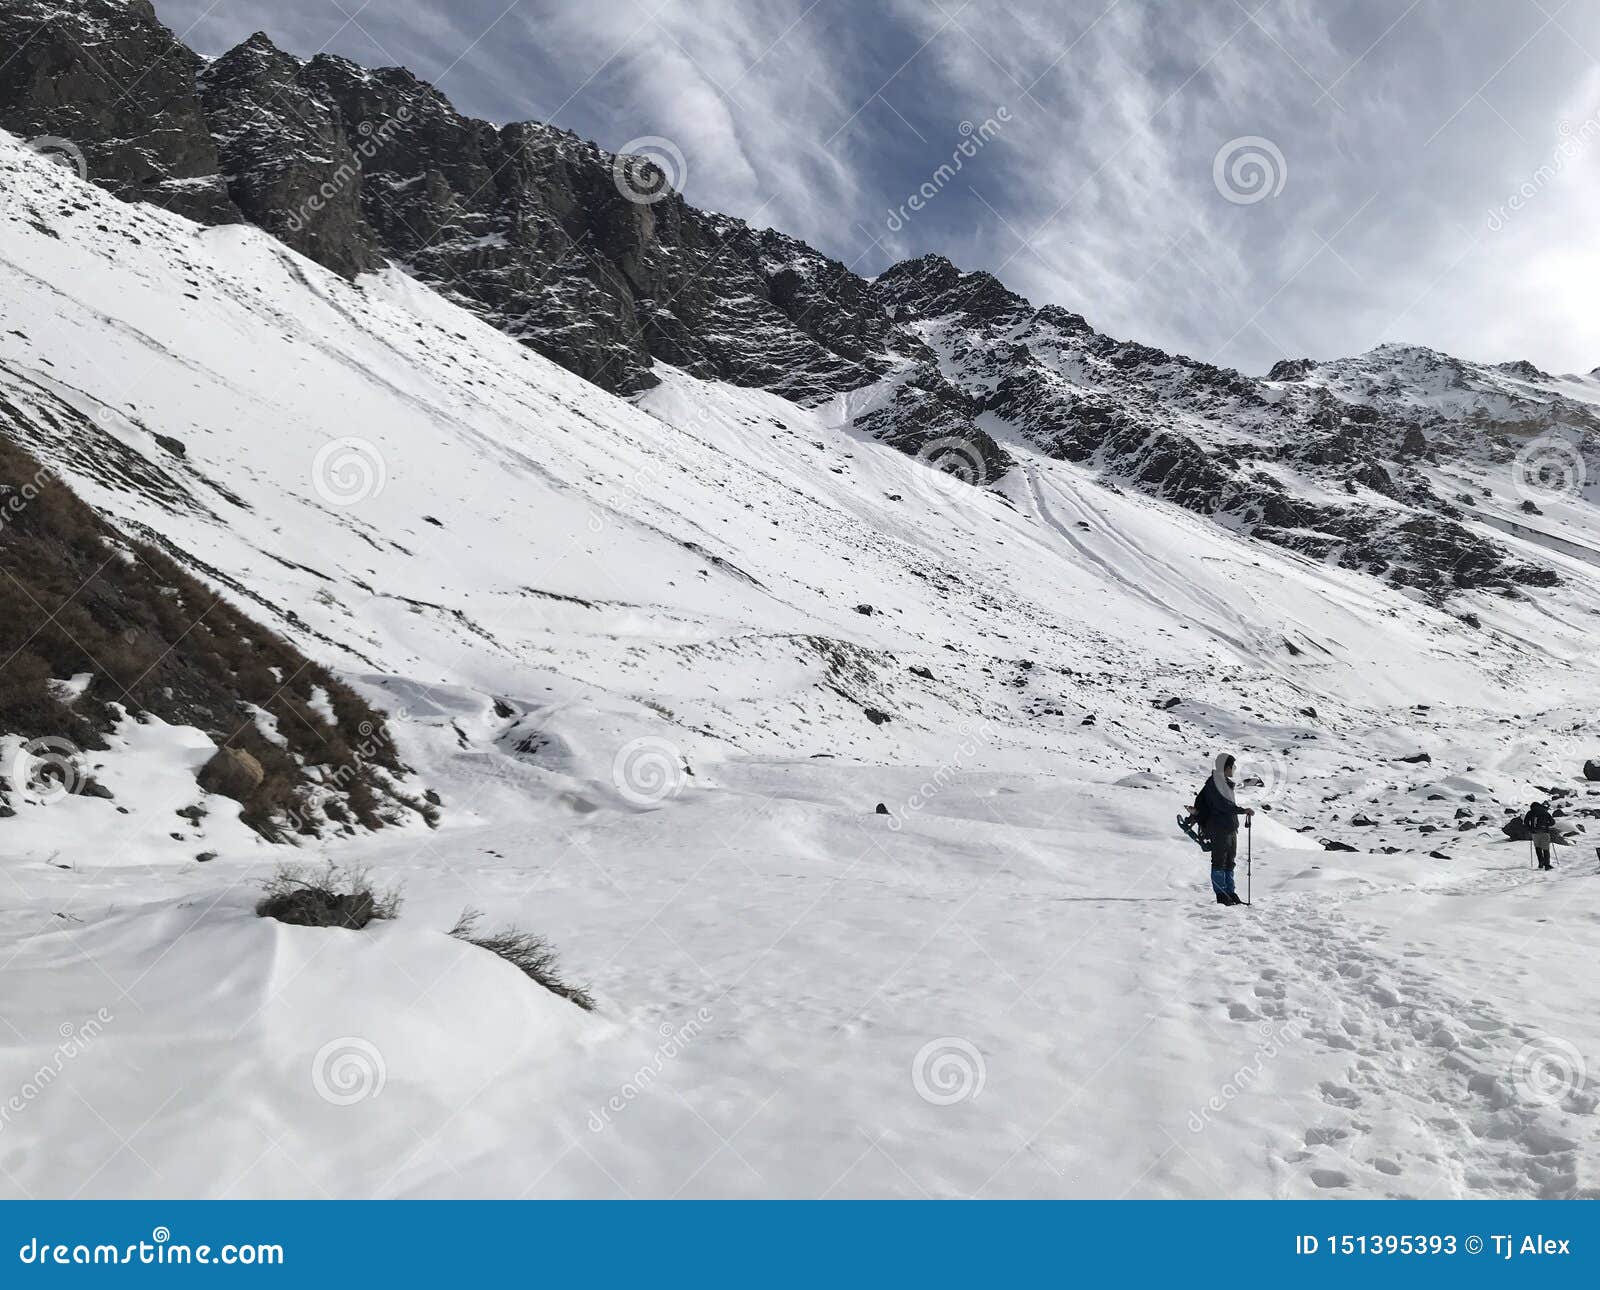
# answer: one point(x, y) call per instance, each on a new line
point(1591, 769)
point(232, 773)
point(1418, 759)
point(882, 809)
point(1332, 844)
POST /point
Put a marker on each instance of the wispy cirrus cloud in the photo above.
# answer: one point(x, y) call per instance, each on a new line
point(1402, 126)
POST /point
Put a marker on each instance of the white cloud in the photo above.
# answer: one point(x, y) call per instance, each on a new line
point(821, 118)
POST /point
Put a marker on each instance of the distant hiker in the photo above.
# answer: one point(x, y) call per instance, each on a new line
point(1540, 825)
point(1217, 815)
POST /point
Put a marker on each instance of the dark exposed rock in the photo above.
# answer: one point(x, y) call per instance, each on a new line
point(288, 162)
point(130, 107)
point(1591, 769)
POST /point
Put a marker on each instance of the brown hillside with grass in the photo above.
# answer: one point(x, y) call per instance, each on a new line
point(78, 597)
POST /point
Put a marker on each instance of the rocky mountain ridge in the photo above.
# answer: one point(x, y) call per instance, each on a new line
point(594, 261)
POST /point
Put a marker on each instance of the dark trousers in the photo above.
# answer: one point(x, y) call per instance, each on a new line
point(1224, 848)
point(1541, 848)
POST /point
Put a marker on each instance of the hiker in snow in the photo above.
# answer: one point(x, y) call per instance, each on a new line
point(1217, 815)
point(1540, 824)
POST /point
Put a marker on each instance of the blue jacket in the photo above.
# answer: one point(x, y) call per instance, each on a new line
point(1215, 813)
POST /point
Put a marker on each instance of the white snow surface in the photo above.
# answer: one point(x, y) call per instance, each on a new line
point(624, 643)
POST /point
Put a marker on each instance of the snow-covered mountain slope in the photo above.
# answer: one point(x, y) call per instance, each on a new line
point(593, 260)
point(662, 660)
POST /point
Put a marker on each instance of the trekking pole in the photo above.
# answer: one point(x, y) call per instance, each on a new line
point(1248, 865)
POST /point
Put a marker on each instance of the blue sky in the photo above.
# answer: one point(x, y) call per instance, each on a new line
point(1424, 172)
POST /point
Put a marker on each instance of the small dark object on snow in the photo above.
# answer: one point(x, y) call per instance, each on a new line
point(882, 809)
point(925, 673)
point(1308, 711)
point(206, 856)
point(1329, 844)
point(863, 609)
point(1438, 855)
point(877, 718)
point(1591, 769)
point(1418, 759)
point(317, 907)
point(1362, 820)
point(331, 898)
point(1529, 508)
point(1087, 721)
point(94, 788)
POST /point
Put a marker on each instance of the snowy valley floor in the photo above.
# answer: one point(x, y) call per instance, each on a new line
point(1022, 992)
point(1015, 984)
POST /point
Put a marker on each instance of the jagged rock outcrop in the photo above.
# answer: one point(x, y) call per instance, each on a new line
point(129, 109)
point(286, 156)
